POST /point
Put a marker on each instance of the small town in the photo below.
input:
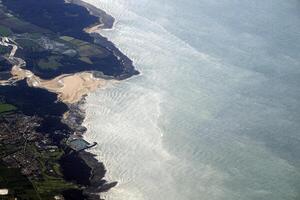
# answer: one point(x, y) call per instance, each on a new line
point(33, 155)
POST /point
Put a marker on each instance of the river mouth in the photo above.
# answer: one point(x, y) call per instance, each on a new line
point(45, 75)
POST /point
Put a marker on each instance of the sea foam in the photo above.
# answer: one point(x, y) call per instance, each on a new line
point(195, 124)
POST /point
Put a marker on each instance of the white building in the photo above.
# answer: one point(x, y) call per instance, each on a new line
point(3, 192)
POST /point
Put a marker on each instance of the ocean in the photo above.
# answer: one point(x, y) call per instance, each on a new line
point(215, 113)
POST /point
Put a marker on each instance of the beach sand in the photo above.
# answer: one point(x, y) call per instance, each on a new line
point(70, 88)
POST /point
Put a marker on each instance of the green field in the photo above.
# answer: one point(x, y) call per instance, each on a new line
point(45, 187)
point(52, 62)
point(49, 184)
point(66, 38)
point(7, 108)
point(29, 43)
point(18, 184)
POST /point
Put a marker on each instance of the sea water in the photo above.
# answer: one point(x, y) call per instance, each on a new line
point(215, 113)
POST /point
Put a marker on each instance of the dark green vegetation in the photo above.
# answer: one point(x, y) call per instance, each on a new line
point(29, 145)
point(19, 185)
point(36, 102)
point(36, 162)
point(38, 173)
point(6, 108)
point(51, 180)
point(55, 15)
point(49, 183)
point(53, 41)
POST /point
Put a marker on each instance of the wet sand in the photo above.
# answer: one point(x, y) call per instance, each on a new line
point(70, 88)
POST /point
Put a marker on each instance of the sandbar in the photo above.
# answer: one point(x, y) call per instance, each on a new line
point(70, 88)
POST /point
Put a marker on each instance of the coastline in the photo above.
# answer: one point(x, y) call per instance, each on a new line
point(97, 183)
point(106, 22)
point(90, 168)
point(70, 88)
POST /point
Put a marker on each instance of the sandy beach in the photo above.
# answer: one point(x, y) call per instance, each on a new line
point(51, 88)
point(70, 88)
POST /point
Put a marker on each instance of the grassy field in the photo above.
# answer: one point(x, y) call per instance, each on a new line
point(50, 184)
point(66, 38)
point(29, 44)
point(6, 108)
point(86, 60)
point(46, 186)
point(52, 62)
point(17, 183)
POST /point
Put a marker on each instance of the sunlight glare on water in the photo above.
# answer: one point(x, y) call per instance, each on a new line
point(214, 114)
